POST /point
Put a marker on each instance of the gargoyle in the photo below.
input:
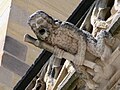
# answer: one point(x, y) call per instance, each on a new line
point(64, 36)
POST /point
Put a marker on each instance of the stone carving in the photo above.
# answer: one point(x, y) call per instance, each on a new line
point(100, 14)
point(65, 37)
point(65, 40)
point(69, 38)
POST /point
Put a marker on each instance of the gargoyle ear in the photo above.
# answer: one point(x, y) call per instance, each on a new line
point(57, 23)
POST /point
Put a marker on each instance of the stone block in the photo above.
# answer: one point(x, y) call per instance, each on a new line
point(14, 64)
point(6, 77)
point(15, 48)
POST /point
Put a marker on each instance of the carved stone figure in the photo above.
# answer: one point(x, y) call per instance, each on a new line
point(65, 37)
point(65, 40)
point(69, 38)
point(100, 14)
point(53, 71)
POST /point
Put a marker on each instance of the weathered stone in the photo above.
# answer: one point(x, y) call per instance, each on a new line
point(100, 73)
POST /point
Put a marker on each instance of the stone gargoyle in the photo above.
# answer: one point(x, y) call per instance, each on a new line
point(67, 41)
point(59, 37)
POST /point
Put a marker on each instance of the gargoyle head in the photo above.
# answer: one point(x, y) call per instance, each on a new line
point(42, 24)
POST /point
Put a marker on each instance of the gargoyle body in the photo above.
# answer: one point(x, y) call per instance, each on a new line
point(68, 37)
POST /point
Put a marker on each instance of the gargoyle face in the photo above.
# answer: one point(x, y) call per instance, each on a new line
point(41, 24)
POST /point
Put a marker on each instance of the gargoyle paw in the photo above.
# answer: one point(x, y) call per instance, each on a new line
point(58, 52)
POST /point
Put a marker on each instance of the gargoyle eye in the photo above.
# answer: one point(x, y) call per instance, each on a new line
point(42, 31)
point(39, 21)
point(33, 25)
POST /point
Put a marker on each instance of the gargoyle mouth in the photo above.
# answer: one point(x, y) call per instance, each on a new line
point(42, 31)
